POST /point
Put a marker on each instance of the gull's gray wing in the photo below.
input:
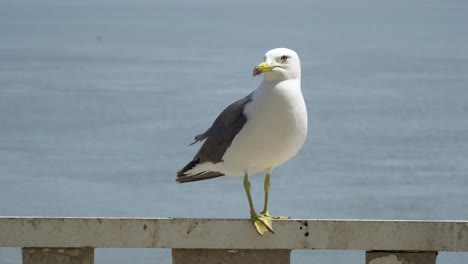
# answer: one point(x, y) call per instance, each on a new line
point(217, 139)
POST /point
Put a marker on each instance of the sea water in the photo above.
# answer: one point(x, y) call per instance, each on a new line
point(99, 100)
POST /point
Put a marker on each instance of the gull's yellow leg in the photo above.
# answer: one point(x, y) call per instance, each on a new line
point(264, 214)
point(261, 225)
point(266, 186)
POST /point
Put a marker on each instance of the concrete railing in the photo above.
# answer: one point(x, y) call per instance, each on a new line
point(72, 240)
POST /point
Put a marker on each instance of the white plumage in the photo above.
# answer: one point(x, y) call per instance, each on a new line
point(275, 130)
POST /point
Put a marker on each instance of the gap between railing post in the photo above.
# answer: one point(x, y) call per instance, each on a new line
point(401, 257)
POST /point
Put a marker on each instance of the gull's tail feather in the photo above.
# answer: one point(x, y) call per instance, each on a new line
point(183, 178)
point(184, 174)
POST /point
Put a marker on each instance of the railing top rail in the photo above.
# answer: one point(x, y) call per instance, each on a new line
point(118, 232)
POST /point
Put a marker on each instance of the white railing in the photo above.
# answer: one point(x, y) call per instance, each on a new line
point(72, 240)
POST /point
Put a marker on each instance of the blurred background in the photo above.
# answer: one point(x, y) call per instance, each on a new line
point(100, 98)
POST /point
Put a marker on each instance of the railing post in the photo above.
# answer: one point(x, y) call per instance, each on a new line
point(231, 256)
point(58, 255)
point(401, 257)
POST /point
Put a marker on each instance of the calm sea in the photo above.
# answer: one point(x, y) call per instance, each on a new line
point(99, 100)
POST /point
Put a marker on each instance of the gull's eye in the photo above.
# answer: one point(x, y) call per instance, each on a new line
point(284, 58)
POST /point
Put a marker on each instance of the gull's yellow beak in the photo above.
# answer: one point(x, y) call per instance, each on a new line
point(262, 67)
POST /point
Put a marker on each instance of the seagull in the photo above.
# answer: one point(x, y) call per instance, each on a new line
point(256, 133)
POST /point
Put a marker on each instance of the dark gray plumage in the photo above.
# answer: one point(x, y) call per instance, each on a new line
point(218, 138)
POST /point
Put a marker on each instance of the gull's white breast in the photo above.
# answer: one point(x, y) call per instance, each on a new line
point(275, 130)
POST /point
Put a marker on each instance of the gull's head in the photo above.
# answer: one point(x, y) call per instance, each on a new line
point(279, 64)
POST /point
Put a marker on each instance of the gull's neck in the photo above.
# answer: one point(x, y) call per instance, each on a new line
point(288, 85)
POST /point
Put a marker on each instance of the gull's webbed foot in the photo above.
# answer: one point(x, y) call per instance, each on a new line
point(267, 215)
point(262, 223)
